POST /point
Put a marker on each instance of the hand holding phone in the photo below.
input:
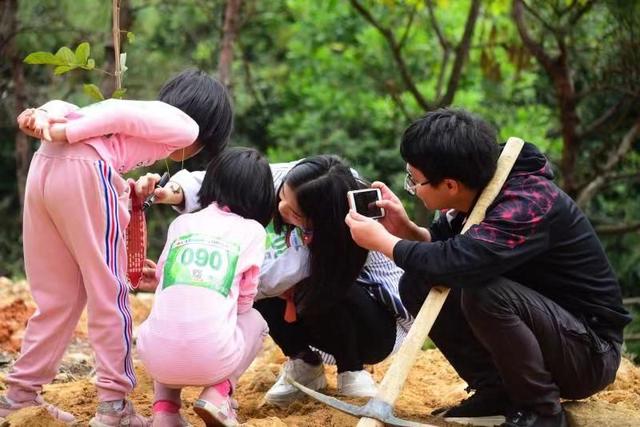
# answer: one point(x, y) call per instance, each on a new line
point(364, 202)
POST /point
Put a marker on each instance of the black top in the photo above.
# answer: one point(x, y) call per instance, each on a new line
point(534, 234)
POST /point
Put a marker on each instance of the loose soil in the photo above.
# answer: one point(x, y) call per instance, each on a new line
point(431, 384)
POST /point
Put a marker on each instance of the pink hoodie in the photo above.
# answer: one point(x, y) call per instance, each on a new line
point(209, 272)
point(127, 134)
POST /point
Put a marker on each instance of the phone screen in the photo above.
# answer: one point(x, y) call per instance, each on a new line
point(365, 202)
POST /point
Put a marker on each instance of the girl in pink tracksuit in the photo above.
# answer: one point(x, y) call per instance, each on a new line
point(75, 216)
point(202, 330)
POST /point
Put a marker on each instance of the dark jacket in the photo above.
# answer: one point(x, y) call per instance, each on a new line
point(534, 234)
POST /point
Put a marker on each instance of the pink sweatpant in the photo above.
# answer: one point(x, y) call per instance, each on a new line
point(253, 329)
point(75, 217)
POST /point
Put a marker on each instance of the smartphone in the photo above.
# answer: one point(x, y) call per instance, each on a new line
point(364, 202)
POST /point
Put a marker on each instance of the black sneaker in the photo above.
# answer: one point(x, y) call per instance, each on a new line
point(485, 407)
point(528, 418)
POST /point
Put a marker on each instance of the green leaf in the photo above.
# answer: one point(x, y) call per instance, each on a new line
point(90, 65)
point(42, 58)
point(119, 93)
point(61, 69)
point(131, 37)
point(65, 55)
point(82, 53)
point(93, 91)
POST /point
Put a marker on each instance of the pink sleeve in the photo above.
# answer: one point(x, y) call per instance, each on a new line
point(57, 108)
point(252, 259)
point(150, 121)
point(248, 288)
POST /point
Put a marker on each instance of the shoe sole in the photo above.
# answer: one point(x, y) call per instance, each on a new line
point(490, 421)
point(208, 411)
point(317, 384)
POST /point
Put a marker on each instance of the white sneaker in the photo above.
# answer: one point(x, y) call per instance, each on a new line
point(356, 384)
point(282, 393)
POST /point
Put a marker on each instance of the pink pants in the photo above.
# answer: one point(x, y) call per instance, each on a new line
point(75, 216)
point(253, 329)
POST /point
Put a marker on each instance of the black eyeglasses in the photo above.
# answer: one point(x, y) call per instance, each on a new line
point(410, 185)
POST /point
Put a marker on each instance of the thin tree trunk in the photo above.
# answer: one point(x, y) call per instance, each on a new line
point(112, 59)
point(559, 71)
point(8, 31)
point(569, 121)
point(23, 148)
point(229, 33)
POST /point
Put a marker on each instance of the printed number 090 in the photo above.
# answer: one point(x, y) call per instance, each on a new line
point(201, 258)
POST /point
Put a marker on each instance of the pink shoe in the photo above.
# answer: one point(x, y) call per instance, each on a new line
point(8, 407)
point(108, 416)
point(216, 410)
point(167, 414)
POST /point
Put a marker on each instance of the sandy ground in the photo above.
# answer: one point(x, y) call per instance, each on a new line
point(431, 384)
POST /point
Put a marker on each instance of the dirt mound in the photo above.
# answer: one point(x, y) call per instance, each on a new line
point(13, 320)
point(431, 384)
point(33, 417)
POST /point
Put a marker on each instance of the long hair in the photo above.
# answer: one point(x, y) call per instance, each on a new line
point(320, 184)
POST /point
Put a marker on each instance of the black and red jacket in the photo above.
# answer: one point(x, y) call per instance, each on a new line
point(534, 234)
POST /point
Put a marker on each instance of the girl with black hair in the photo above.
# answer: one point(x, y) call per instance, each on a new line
point(75, 214)
point(347, 310)
point(202, 329)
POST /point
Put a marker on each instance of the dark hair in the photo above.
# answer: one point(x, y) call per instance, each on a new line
point(240, 178)
point(206, 101)
point(449, 143)
point(320, 184)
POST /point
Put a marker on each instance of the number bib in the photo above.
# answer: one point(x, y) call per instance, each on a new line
point(202, 261)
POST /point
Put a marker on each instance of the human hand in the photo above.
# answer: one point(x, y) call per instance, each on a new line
point(395, 219)
point(38, 124)
point(370, 234)
point(170, 194)
point(148, 281)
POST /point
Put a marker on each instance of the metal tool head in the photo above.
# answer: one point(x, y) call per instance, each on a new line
point(374, 408)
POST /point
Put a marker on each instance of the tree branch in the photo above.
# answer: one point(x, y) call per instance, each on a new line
point(568, 8)
point(625, 176)
point(398, 101)
point(446, 45)
point(581, 11)
point(617, 228)
point(116, 43)
point(536, 15)
point(230, 31)
point(592, 188)
point(403, 39)
point(604, 118)
point(462, 52)
point(443, 70)
point(533, 46)
point(397, 56)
